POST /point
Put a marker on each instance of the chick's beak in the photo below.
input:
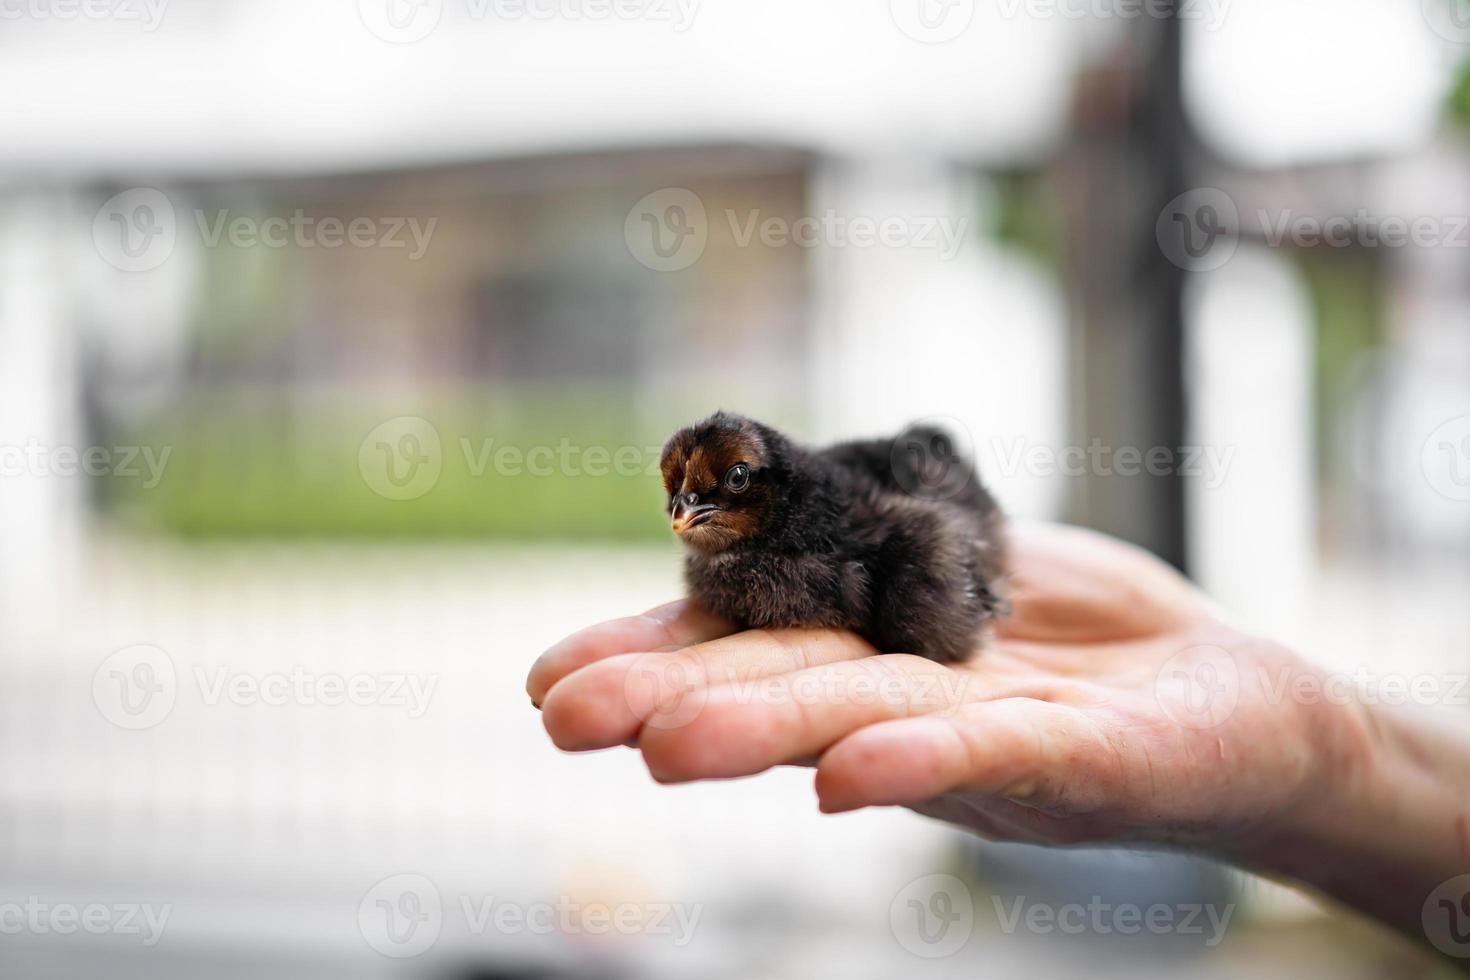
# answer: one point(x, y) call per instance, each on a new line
point(686, 516)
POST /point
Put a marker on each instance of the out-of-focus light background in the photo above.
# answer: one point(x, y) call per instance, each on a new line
point(337, 341)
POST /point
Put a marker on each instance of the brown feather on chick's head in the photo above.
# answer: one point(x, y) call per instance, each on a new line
point(716, 482)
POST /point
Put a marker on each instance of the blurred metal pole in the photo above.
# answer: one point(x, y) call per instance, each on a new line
point(1129, 161)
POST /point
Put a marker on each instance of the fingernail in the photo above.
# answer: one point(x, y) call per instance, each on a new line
point(1023, 790)
point(830, 805)
point(663, 777)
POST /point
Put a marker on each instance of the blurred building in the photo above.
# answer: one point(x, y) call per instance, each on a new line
point(584, 231)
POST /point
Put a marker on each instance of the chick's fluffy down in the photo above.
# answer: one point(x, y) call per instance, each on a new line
point(895, 539)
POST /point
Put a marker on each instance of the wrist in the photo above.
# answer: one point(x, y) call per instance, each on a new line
point(1338, 799)
point(1377, 824)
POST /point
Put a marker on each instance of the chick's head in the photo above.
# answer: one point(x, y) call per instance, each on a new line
point(718, 481)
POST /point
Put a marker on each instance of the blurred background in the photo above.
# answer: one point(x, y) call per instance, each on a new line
point(337, 342)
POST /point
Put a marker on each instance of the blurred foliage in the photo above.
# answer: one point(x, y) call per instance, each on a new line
point(1348, 305)
point(1026, 215)
point(245, 464)
point(1459, 100)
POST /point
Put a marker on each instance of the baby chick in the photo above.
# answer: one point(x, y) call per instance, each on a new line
point(895, 539)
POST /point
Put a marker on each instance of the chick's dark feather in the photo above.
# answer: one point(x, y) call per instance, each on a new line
point(895, 539)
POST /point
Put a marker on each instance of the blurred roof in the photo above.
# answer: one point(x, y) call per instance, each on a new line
point(232, 85)
point(204, 87)
point(1287, 82)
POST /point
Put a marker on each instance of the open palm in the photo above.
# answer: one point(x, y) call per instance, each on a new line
point(1112, 704)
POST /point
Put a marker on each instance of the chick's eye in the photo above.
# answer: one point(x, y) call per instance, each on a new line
point(738, 478)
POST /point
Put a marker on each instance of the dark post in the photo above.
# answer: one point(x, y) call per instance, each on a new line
point(1128, 164)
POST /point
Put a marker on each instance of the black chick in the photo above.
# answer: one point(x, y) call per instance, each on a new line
point(895, 539)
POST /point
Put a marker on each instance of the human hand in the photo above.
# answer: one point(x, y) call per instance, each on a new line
point(1114, 704)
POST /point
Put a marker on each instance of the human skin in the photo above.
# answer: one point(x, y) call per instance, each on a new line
point(1115, 704)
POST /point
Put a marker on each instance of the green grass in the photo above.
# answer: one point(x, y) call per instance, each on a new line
point(1458, 102)
point(247, 463)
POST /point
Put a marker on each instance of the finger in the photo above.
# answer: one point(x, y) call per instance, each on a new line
point(1034, 753)
point(608, 702)
point(742, 729)
point(669, 627)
